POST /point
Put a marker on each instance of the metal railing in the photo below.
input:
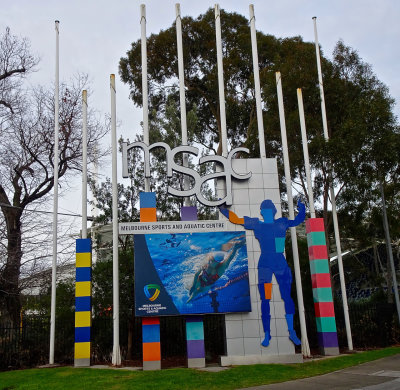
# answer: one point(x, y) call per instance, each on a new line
point(373, 325)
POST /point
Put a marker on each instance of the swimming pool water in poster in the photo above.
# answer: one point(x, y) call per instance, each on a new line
point(195, 273)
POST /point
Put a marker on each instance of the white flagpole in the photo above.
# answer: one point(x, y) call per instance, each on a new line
point(221, 81)
point(84, 164)
point(333, 199)
point(144, 84)
point(257, 88)
point(390, 252)
point(305, 348)
point(55, 201)
point(186, 182)
point(305, 152)
point(116, 355)
point(94, 209)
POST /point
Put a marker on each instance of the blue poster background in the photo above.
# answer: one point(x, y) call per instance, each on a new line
point(195, 273)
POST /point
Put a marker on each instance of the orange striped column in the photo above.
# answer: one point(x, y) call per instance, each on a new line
point(150, 325)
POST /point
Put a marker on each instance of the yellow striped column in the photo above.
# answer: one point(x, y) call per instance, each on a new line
point(83, 307)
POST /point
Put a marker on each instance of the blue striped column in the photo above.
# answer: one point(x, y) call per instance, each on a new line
point(194, 325)
point(83, 308)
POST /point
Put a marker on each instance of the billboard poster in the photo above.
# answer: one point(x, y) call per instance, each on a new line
point(191, 273)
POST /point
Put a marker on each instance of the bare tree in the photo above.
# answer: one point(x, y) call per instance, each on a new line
point(16, 62)
point(27, 154)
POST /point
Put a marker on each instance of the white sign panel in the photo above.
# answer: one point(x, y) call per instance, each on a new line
point(172, 227)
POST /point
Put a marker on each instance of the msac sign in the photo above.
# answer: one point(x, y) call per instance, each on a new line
point(226, 172)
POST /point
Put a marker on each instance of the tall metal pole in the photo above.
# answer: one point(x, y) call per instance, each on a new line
point(144, 84)
point(84, 164)
point(333, 199)
point(221, 81)
point(257, 87)
point(116, 356)
point(390, 252)
point(55, 201)
point(186, 180)
point(305, 348)
point(94, 209)
point(305, 152)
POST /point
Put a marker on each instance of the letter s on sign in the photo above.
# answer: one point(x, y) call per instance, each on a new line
point(184, 170)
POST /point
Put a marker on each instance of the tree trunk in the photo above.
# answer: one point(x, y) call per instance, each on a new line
point(10, 275)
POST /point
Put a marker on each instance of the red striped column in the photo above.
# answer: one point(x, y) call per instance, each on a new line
point(321, 285)
point(150, 325)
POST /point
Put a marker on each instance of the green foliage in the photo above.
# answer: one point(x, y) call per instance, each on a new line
point(364, 136)
point(39, 305)
point(102, 278)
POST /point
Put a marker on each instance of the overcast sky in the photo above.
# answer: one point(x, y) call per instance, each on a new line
point(95, 34)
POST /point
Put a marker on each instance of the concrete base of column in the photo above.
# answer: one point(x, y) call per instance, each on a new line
point(152, 365)
point(196, 363)
point(260, 359)
point(82, 362)
point(330, 351)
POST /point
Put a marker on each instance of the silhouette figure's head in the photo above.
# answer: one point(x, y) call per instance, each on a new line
point(268, 210)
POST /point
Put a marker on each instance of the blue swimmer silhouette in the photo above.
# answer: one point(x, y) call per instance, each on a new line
point(271, 235)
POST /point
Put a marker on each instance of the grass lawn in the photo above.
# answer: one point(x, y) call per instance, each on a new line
point(180, 378)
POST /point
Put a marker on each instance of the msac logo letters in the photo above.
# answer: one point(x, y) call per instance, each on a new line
point(156, 291)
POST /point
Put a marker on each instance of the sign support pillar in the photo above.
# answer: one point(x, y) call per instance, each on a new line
point(150, 325)
point(196, 354)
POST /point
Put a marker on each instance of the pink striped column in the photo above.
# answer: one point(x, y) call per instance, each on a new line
point(321, 285)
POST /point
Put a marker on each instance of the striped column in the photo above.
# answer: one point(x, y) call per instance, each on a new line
point(321, 285)
point(195, 342)
point(83, 308)
point(148, 207)
point(150, 325)
point(194, 325)
point(189, 213)
point(151, 343)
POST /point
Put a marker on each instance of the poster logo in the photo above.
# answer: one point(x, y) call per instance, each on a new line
point(148, 287)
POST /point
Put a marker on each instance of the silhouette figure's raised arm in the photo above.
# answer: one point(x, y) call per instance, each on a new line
point(231, 216)
point(300, 217)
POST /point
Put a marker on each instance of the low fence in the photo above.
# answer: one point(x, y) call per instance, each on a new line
point(28, 345)
point(373, 325)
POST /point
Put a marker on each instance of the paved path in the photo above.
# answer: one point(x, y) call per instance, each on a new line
point(382, 374)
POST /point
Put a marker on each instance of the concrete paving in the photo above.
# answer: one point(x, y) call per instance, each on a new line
point(106, 367)
point(213, 368)
point(382, 374)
